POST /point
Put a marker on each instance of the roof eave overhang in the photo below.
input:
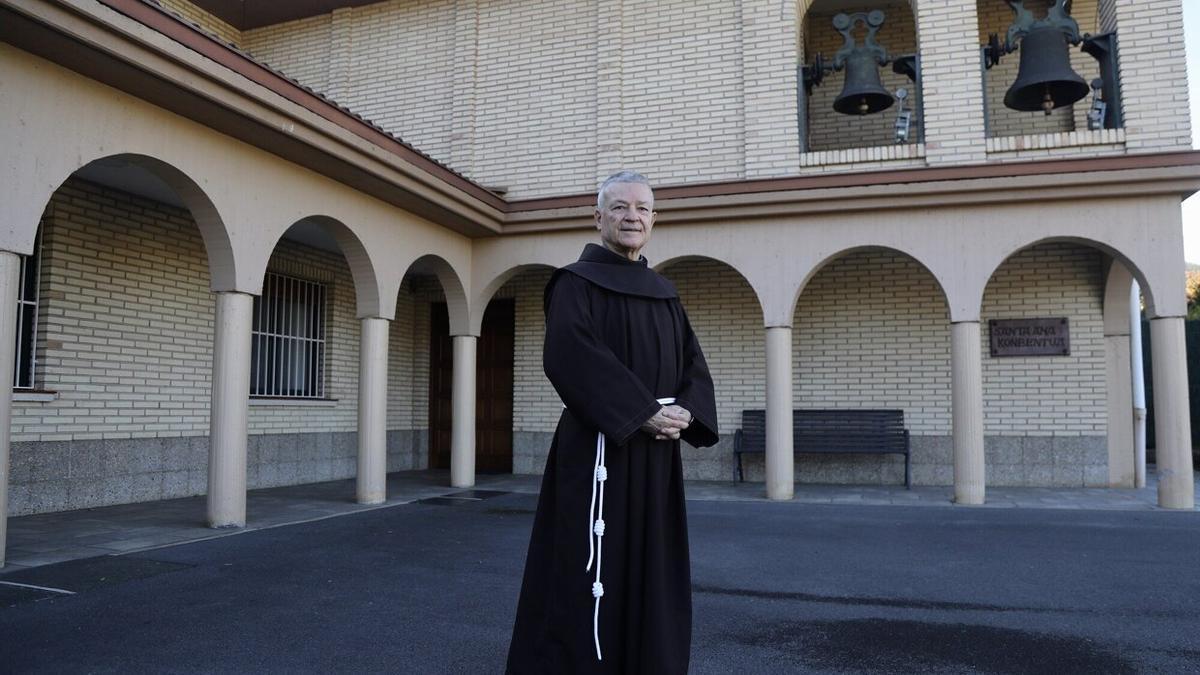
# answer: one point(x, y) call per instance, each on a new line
point(141, 50)
point(1086, 179)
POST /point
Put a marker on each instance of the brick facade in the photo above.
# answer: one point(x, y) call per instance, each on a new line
point(547, 98)
point(524, 95)
point(872, 330)
point(125, 340)
point(542, 102)
point(204, 20)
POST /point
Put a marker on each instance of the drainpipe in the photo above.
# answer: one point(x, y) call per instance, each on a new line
point(1139, 386)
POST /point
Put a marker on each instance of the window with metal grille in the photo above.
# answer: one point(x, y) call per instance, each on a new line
point(287, 355)
point(27, 306)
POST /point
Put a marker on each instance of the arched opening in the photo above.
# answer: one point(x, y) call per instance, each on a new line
point(727, 318)
point(304, 359)
point(430, 310)
point(872, 331)
point(823, 36)
point(1045, 396)
point(115, 343)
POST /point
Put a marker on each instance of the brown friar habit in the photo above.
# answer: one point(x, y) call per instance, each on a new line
point(617, 340)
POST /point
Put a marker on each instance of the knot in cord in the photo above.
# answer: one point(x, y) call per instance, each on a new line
point(596, 528)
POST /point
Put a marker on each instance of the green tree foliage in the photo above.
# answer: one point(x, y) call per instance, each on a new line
point(1193, 293)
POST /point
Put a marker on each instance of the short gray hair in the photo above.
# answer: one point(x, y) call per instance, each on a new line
point(620, 177)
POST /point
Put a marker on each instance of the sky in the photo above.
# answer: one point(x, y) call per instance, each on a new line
point(1191, 207)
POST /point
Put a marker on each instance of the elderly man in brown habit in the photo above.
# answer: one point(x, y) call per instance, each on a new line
point(607, 586)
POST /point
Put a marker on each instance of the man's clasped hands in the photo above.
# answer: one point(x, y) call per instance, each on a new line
point(667, 423)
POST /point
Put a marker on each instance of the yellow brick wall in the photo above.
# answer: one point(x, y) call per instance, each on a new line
point(402, 340)
point(536, 406)
point(124, 321)
point(950, 82)
point(125, 329)
point(299, 49)
point(535, 125)
point(871, 330)
point(125, 336)
point(206, 21)
point(341, 346)
point(681, 91)
point(1059, 395)
point(1153, 75)
point(541, 98)
point(534, 97)
point(829, 130)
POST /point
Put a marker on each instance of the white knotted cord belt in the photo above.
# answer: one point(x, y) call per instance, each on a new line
point(596, 529)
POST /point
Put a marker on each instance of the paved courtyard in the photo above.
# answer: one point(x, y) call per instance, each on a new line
point(430, 586)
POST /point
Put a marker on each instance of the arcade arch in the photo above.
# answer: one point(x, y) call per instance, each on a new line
point(727, 317)
point(118, 303)
point(871, 329)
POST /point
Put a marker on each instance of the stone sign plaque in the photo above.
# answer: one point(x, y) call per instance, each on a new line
point(1030, 337)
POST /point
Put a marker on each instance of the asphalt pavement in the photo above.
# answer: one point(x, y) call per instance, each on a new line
point(431, 587)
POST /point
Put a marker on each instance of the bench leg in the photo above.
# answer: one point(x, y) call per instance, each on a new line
point(907, 474)
point(741, 477)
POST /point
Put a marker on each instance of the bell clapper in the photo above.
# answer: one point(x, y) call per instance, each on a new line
point(1047, 102)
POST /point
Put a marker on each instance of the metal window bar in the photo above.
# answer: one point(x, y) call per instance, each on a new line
point(27, 311)
point(288, 326)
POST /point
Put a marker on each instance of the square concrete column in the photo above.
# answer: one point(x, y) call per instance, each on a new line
point(230, 405)
point(10, 282)
point(966, 391)
point(1172, 426)
point(781, 477)
point(462, 411)
point(1119, 383)
point(371, 486)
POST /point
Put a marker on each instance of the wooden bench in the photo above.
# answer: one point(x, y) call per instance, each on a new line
point(830, 431)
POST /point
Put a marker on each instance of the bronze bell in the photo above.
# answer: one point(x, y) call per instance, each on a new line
point(1045, 80)
point(863, 92)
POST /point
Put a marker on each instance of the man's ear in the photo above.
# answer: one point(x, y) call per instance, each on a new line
point(597, 218)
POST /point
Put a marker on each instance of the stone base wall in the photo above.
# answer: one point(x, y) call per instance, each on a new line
point(1012, 461)
point(530, 449)
point(65, 475)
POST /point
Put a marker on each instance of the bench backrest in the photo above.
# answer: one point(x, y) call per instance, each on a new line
point(831, 430)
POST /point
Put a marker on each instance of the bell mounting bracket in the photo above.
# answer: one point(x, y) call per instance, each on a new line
point(845, 24)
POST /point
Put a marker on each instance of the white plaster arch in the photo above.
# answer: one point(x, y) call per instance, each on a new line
point(753, 251)
point(992, 260)
point(815, 269)
point(367, 289)
point(489, 289)
point(222, 262)
point(457, 304)
point(496, 260)
point(665, 264)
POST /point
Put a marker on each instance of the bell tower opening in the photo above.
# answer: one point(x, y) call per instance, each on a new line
point(859, 75)
point(1048, 66)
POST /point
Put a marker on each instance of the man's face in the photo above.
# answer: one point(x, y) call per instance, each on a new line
point(626, 217)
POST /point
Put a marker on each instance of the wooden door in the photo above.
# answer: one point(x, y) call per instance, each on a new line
point(493, 388)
